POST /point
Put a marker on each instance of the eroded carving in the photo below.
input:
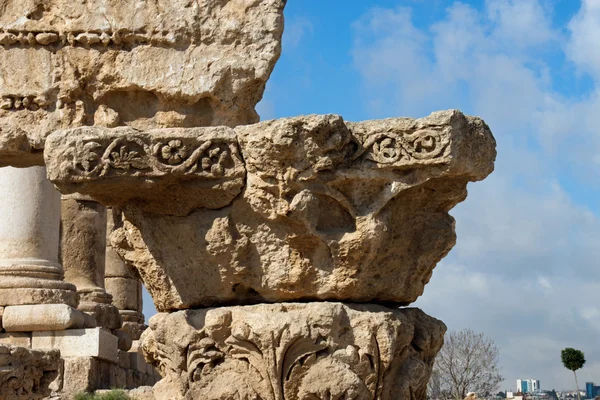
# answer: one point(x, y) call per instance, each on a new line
point(27, 374)
point(148, 165)
point(117, 39)
point(113, 63)
point(397, 149)
point(292, 351)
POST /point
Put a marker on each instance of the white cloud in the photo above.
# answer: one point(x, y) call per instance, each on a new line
point(524, 269)
point(520, 23)
point(585, 30)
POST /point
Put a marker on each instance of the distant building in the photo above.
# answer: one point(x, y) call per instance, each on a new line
point(591, 390)
point(528, 385)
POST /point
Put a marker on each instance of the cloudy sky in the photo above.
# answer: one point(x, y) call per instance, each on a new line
point(525, 270)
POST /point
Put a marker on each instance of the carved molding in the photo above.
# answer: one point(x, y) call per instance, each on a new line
point(95, 39)
point(185, 168)
point(398, 149)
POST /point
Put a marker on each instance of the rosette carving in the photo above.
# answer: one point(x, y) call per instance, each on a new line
point(195, 167)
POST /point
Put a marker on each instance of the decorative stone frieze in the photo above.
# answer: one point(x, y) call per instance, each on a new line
point(293, 351)
point(136, 63)
point(170, 171)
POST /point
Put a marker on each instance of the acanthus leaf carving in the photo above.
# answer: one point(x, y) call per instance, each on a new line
point(312, 351)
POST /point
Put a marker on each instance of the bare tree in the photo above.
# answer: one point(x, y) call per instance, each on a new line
point(468, 362)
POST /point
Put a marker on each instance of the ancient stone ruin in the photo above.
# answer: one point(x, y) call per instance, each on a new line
point(277, 253)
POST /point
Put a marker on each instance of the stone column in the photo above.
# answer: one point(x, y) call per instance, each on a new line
point(30, 272)
point(83, 254)
point(123, 283)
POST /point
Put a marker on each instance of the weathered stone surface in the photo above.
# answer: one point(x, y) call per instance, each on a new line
point(170, 171)
point(145, 65)
point(125, 340)
point(142, 393)
point(83, 243)
point(17, 339)
point(83, 255)
point(95, 342)
point(106, 315)
point(329, 211)
point(81, 374)
point(42, 317)
point(134, 329)
point(27, 374)
point(125, 291)
point(124, 284)
point(293, 351)
point(89, 374)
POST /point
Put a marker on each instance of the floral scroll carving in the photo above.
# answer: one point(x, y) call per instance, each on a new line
point(185, 168)
point(407, 148)
point(143, 156)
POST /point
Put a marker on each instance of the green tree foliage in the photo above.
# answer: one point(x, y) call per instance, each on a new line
point(573, 360)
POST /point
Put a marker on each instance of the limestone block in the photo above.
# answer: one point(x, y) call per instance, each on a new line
point(294, 351)
point(118, 377)
point(138, 363)
point(90, 321)
point(81, 374)
point(329, 211)
point(123, 359)
point(28, 291)
point(89, 374)
point(95, 342)
point(17, 339)
point(27, 374)
point(42, 317)
point(175, 64)
point(106, 315)
point(169, 171)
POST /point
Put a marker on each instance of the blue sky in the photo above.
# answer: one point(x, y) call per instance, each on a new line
point(525, 269)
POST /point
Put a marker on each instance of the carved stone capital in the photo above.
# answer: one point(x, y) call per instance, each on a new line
point(307, 208)
point(293, 351)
